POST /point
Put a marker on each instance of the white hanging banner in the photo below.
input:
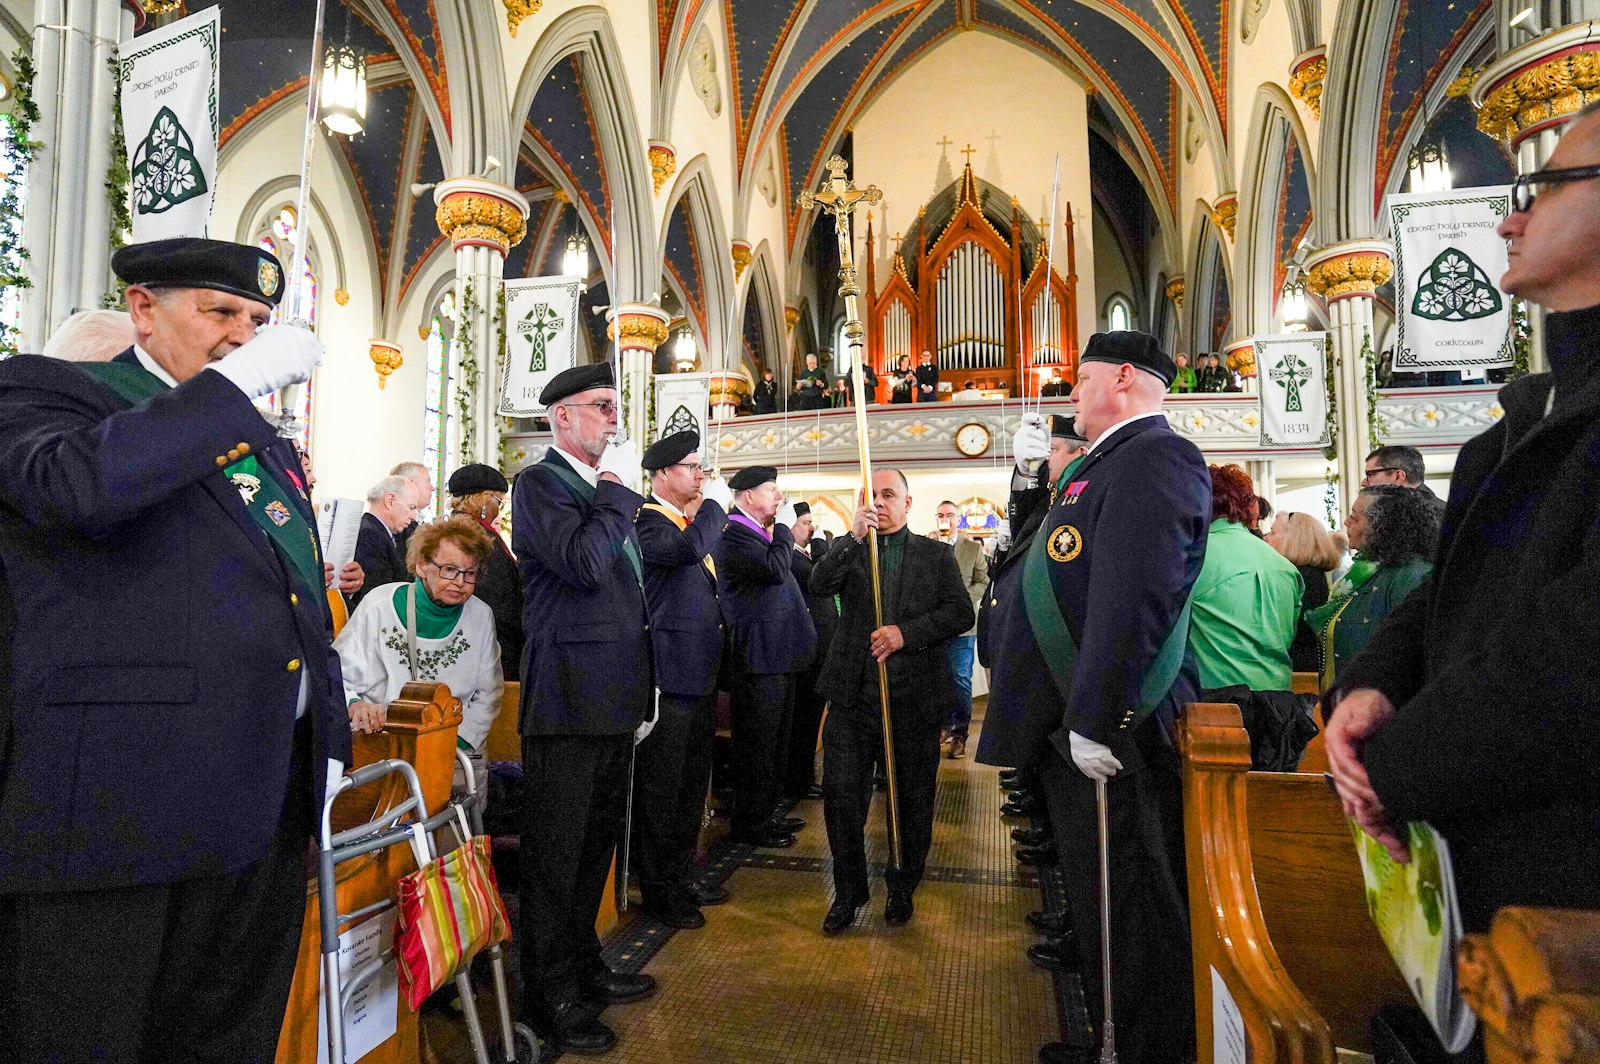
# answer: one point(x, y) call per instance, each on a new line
point(541, 330)
point(1448, 260)
point(683, 402)
point(1292, 379)
point(168, 81)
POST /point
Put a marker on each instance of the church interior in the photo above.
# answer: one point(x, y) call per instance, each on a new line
point(1210, 172)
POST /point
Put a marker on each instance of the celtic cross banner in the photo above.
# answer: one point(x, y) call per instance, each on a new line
point(541, 334)
point(1294, 389)
point(1448, 261)
point(168, 84)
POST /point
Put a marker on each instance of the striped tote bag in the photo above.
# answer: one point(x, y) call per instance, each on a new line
point(449, 910)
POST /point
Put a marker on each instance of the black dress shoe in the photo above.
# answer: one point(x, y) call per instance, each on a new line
point(1055, 923)
point(706, 893)
point(814, 791)
point(1011, 786)
point(1061, 1053)
point(1010, 773)
point(615, 988)
point(1036, 855)
point(1055, 954)
point(766, 837)
point(1030, 836)
point(897, 910)
point(575, 1026)
point(679, 912)
point(841, 914)
point(788, 825)
point(1020, 805)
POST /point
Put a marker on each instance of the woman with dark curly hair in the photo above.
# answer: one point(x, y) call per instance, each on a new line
point(1392, 529)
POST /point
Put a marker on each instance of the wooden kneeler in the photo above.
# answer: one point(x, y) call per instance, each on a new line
point(1534, 981)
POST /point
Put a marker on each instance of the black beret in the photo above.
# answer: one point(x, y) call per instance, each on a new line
point(753, 477)
point(476, 477)
point(194, 262)
point(670, 449)
point(1065, 428)
point(575, 380)
point(1137, 349)
point(801, 509)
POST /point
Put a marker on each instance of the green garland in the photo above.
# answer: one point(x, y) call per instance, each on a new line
point(467, 378)
point(1330, 476)
point(1377, 424)
point(118, 179)
point(18, 127)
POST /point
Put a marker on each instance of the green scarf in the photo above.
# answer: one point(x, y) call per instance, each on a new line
point(433, 620)
point(1325, 618)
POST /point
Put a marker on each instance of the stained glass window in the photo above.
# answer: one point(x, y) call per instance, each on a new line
point(282, 234)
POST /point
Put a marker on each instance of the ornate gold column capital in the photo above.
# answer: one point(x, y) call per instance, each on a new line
point(517, 10)
point(637, 326)
point(1306, 75)
point(385, 355)
point(1531, 88)
point(1355, 268)
point(475, 212)
point(730, 386)
point(1175, 290)
point(741, 258)
point(663, 163)
point(791, 315)
point(1225, 212)
point(1240, 356)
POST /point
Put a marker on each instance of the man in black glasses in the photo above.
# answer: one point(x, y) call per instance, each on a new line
point(1402, 465)
point(1474, 705)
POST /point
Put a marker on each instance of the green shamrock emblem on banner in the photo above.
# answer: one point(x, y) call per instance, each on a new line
point(165, 171)
point(540, 326)
point(681, 421)
point(1290, 373)
point(1454, 288)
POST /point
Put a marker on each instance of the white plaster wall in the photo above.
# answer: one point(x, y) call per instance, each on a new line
point(973, 85)
point(1264, 60)
point(1111, 277)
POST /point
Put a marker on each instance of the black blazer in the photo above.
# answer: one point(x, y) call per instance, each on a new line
point(500, 588)
point(379, 557)
point(1303, 653)
point(1025, 511)
point(768, 623)
point(932, 608)
point(157, 645)
point(927, 378)
point(686, 629)
point(586, 669)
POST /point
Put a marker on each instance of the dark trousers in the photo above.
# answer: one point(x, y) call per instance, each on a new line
point(574, 796)
point(175, 973)
point(671, 776)
point(852, 742)
point(759, 705)
point(801, 770)
point(1151, 978)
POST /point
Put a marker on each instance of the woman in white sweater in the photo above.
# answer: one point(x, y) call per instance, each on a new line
point(453, 641)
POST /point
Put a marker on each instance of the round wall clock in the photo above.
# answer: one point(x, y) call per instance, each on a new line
point(972, 439)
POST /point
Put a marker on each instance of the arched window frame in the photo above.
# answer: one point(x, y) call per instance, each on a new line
point(1119, 304)
point(278, 233)
point(438, 374)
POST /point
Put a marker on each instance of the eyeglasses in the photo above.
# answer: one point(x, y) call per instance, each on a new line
point(693, 467)
point(451, 574)
point(1370, 473)
point(605, 406)
point(1523, 188)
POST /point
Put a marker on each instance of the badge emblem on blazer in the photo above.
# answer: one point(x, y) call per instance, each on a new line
point(1064, 544)
point(278, 512)
point(248, 487)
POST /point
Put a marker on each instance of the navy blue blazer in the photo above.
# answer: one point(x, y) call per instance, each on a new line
point(586, 666)
point(770, 627)
point(158, 643)
point(380, 557)
point(1025, 512)
point(686, 629)
point(1125, 549)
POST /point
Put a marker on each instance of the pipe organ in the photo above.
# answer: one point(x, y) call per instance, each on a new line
point(972, 306)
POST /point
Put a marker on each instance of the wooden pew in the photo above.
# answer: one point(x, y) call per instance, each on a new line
point(1534, 981)
point(421, 729)
point(1277, 906)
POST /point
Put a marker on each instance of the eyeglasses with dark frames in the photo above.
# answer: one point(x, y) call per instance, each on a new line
point(605, 406)
point(451, 573)
point(1368, 474)
point(1523, 189)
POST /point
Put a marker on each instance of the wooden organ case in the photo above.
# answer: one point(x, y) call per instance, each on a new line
point(972, 306)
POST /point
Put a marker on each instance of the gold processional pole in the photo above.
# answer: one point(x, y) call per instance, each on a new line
point(839, 197)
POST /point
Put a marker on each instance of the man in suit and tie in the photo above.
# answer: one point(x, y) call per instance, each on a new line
point(422, 489)
point(391, 509)
point(925, 605)
point(175, 708)
point(1105, 586)
point(771, 639)
point(679, 528)
point(587, 685)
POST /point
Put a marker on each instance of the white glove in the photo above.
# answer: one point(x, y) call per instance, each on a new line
point(280, 355)
point(1093, 759)
point(715, 489)
point(786, 515)
point(621, 460)
point(1031, 443)
point(1002, 536)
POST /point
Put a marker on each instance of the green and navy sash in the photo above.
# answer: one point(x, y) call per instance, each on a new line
point(585, 491)
point(271, 509)
point(1054, 638)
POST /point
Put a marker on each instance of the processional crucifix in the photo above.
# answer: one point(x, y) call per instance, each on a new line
point(839, 196)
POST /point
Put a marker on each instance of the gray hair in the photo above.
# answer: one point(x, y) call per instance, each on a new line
point(91, 336)
point(390, 484)
point(408, 470)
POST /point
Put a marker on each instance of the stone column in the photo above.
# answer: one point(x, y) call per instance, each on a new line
point(67, 228)
point(1346, 276)
point(484, 221)
point(1263, 473)
point(1526, 95)
point(637, 329)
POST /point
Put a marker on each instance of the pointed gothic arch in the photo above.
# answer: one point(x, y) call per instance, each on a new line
point(694, 192)
point(1274, 126)
point(1208, 304)
point(761, 301)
